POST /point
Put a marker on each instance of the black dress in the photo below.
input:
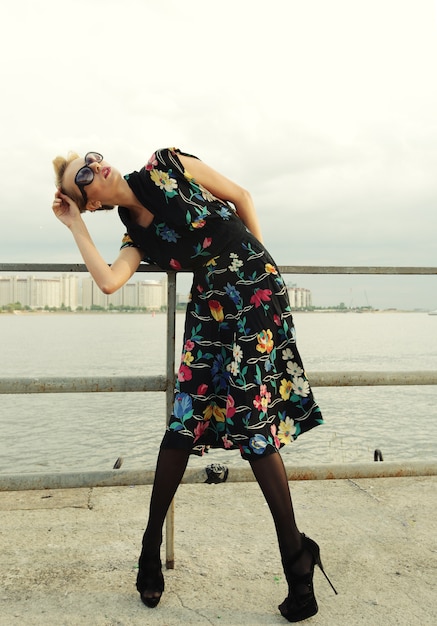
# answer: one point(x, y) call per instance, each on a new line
point(241, 382)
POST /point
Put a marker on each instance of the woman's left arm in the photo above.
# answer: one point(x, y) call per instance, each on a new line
point(225, 189)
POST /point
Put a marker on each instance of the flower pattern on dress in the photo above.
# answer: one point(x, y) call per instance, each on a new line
point(265, 341)
point(164, 181)
point(152, 162)
point(236, 262)
point(166, 233)
point(260, 296)
point(126, 242)
point(287, 429)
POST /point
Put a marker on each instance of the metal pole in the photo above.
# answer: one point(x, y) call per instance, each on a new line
point(82, 384)
point(284, 269)
point(171, 326)
point(114, 384)
point(124, 478)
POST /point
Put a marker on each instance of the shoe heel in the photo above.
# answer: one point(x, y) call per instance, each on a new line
point(315, 550)
point(327, 577)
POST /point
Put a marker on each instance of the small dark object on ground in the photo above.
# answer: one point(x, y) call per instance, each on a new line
point(216, 473)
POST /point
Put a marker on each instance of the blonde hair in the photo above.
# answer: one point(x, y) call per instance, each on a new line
point(60, 164)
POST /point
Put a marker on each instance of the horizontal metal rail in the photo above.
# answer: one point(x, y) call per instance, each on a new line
point(284, 269)
point(123, 478)
point(64, 267)
point(372, 379)
point(79, 384)
point(114, 384)
point(356, 269)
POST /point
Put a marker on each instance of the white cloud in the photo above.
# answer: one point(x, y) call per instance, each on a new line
point(324, 110)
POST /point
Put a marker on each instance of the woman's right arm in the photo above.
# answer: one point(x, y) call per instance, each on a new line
point(108, 278)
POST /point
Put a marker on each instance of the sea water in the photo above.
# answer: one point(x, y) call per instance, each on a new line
point(89, 431)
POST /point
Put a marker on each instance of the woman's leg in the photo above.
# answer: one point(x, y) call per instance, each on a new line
point(170, 469)
point(271, 476)
point(299, 553)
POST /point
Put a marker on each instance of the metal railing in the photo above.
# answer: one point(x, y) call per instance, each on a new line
point(166, 384)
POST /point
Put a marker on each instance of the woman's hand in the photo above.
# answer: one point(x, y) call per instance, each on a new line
point(65, 209)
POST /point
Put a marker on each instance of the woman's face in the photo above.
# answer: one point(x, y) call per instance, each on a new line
point(101, 189)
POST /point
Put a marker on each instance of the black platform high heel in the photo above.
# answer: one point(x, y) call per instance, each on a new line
point(301, 602)
point(150, 579)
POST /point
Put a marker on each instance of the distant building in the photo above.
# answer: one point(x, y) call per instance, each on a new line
point(127, 295)
point(39, 292)
point(300, 298)
point(68, 291)
point(13, 289)
point(152, 294)
point(148, 294)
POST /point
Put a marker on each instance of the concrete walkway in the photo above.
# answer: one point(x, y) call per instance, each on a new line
point(68, 557)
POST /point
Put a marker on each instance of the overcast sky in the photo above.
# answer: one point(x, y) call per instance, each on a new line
point(326, 110)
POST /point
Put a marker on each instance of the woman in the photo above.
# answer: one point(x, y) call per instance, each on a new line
point(241, 383)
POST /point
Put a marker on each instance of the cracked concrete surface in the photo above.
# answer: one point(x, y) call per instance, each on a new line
point(68, 557)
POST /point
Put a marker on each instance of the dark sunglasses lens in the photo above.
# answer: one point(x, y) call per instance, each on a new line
point(93, 157)
point(84, 176)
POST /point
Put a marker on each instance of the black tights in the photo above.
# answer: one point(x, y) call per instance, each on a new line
point(270, 474)
point(169, 472)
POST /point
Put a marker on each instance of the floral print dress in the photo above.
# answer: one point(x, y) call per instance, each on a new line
point(241, 382)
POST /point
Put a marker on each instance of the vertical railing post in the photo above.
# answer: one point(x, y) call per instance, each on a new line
point(170, 374)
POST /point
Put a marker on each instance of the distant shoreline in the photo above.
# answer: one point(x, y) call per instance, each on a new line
point(182, 311)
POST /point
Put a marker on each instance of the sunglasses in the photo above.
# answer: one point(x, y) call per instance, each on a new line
point(85, 175)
